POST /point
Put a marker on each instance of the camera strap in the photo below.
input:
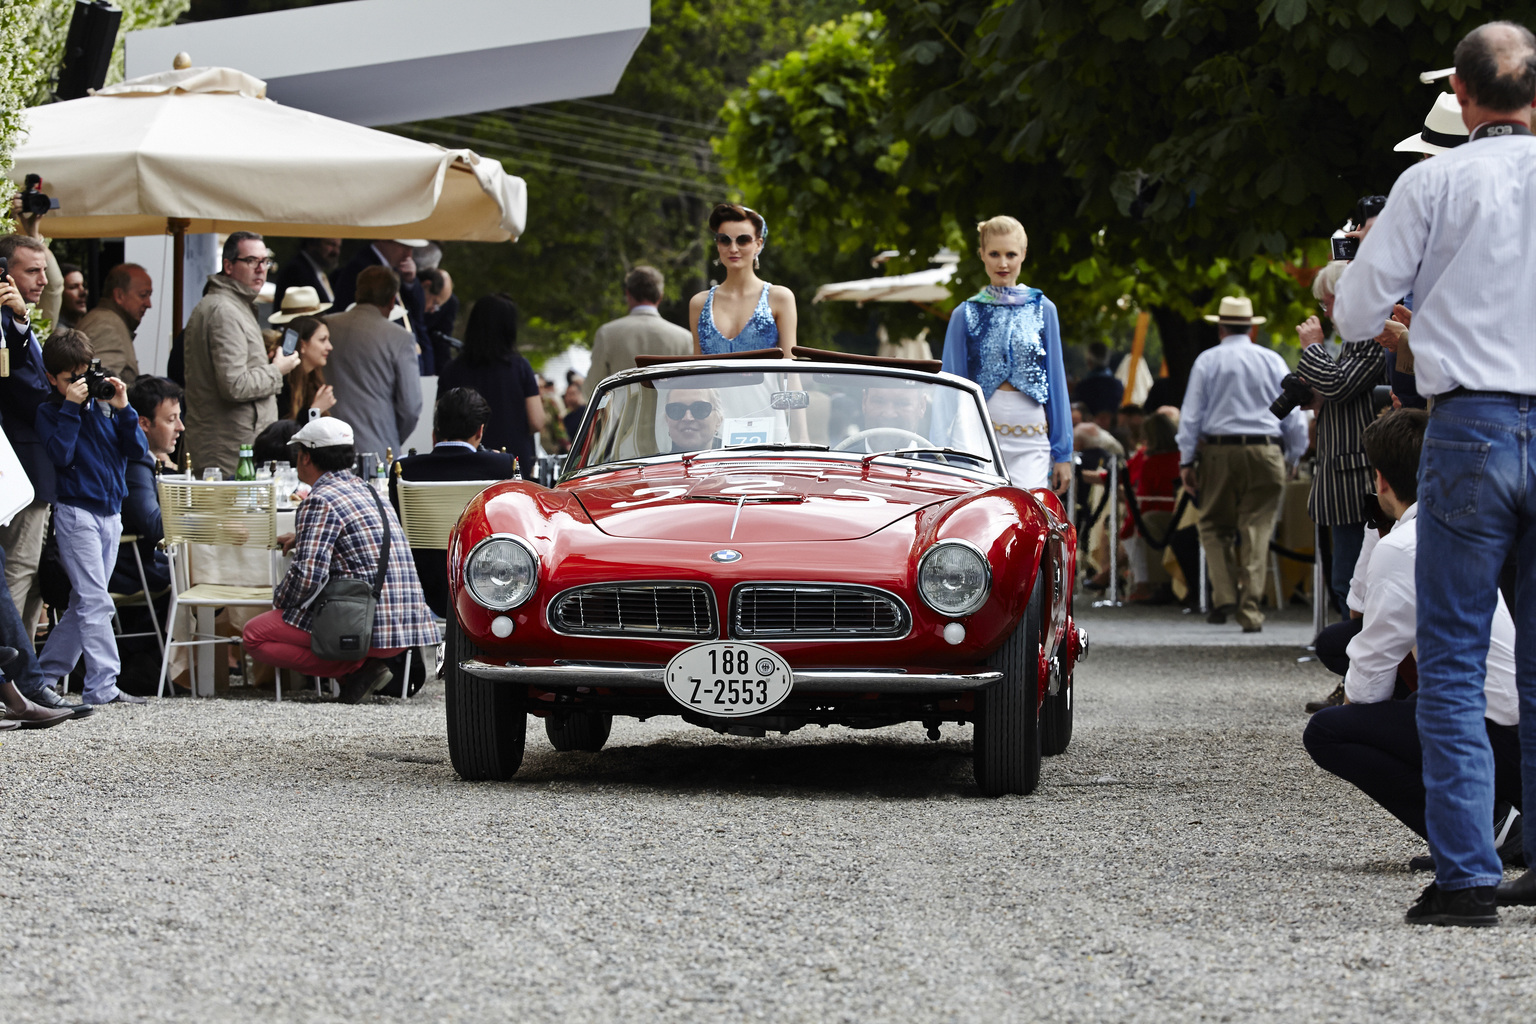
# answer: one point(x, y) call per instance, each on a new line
point(1499, 130)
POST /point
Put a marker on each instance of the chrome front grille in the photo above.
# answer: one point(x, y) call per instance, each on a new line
point(674, 610)
point(816, 611)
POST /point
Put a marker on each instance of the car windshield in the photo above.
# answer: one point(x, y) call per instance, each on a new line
point(848, 413)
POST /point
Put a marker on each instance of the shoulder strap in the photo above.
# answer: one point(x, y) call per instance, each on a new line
point(378, 577)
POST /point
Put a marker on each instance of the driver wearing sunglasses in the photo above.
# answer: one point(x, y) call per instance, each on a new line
point(693, 419)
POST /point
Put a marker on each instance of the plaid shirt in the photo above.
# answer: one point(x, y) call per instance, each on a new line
point(339, 533)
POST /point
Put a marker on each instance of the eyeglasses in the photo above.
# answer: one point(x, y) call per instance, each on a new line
point(700, 410)
point(257, 261)
point(742, 240)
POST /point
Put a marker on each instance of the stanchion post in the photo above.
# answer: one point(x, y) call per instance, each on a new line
point(1112, 482)
point(1205, 594)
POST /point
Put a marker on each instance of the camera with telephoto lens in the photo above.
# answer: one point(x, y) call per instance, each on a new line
point(33, 202)
point(97, 384)
point(1293, 392)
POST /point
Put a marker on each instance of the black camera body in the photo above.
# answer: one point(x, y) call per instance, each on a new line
point(33, 202)
point(1345, 248)
point(1293, 392)
point(97, 383)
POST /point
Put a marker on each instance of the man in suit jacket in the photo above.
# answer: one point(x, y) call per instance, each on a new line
point(396, 254)
point(642, 332)
point(311, 266)
point(457, 427)
point(373, 367)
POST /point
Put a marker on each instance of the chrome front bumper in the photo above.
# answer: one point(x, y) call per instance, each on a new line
point(625, 677)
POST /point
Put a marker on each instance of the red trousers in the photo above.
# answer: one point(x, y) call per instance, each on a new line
point(273, 642)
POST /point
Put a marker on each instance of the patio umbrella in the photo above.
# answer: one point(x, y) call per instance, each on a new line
point(204, 150)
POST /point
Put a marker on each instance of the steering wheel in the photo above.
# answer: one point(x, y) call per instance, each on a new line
point(847, 443)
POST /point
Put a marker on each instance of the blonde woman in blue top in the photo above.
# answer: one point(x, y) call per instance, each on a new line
point(1007, 338)
point(745, 312)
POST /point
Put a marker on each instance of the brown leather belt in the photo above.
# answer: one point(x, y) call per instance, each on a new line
point(1258, 439)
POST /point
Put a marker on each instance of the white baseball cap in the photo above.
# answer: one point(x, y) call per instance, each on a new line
point(323, 432)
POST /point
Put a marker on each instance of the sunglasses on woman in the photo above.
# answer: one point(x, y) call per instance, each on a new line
point(742, 240)
point(700, 410)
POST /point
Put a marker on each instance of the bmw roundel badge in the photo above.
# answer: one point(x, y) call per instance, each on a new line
point(725, 555)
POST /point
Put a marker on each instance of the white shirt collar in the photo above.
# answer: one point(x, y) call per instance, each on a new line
point(1409, 515)
point(456, 444)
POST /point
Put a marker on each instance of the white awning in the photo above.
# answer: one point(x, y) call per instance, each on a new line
point(922, 286)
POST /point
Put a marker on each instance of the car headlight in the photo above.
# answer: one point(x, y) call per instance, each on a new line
point(501, 572)
point(954, 578)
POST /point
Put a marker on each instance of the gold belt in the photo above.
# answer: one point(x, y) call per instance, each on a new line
point(1022, 429)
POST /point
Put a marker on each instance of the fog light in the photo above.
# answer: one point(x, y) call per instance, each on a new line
point(954, 633)
point(502, 626)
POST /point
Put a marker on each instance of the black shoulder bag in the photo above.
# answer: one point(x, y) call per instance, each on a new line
point(342, 627)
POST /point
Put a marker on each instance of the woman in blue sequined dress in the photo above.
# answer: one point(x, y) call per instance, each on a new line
point(1007, 339)
point(745, 312)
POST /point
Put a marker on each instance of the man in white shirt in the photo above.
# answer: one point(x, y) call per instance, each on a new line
point(1372, 740)
point(1244, 452)
point(1459, 232)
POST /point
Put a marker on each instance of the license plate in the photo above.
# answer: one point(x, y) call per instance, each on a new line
point(728, 680)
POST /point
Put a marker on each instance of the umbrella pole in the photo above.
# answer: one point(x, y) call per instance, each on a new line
point(178, 228)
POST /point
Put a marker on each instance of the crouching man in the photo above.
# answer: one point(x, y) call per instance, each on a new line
point(339, 531)
point(1372, 740)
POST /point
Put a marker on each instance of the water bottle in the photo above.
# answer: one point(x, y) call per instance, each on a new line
point(246, 469)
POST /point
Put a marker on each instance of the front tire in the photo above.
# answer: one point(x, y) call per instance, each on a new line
point(579, 730)
point(487, 726)
point(1006, 748)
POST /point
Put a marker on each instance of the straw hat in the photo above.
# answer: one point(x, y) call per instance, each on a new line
point(1236, 310)
point(299, 301)
point(1443, 129)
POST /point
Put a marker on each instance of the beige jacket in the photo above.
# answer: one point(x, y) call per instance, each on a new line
point(642, 333)
point(111, 339)
point(231, 384)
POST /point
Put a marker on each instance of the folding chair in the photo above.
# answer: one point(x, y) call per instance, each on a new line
point(143, 597)
point(429, 510)
point(220, 514)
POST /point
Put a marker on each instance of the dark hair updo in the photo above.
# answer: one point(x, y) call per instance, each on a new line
point(727, 213)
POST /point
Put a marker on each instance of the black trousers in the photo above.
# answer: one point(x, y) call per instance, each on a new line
point(1375, 747)
point(1332, 644)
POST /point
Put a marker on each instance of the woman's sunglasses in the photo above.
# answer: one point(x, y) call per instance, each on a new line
point(700, 410)
point(742, 240)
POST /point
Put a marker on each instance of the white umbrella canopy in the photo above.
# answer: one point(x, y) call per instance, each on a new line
point(202, 150)
point(922, 286)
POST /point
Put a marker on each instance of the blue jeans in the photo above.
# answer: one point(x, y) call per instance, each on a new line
point(1477, 502)
point(13, 633)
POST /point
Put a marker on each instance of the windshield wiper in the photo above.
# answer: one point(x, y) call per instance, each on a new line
point(902, 452)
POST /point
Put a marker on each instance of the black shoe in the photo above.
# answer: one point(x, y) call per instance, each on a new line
point(1333, 700)
point(1474, 907)
point(47, 697)
point(1218, 616)
point(1509, 836)
point(1521, 892)
point(360, 685)
point(1424, 863)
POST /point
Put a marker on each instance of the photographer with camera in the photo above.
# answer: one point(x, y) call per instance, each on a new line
point(92, 434)
point(1245, 450)
point(1341, 476)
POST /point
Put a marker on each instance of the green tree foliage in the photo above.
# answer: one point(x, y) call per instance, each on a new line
point(1160, 153)
point(627, 179)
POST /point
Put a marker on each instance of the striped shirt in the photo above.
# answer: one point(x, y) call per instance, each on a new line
point(1459, 232)
point(1342, 475)
point(339, 533)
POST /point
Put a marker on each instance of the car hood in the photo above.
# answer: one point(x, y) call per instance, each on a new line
point(740, 504)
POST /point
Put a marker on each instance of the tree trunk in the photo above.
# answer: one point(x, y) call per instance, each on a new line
point(1183, 340)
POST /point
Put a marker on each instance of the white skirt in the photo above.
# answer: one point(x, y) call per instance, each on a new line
point(1023, 436)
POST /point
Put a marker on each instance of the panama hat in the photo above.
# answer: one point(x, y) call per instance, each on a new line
point(298, 301)
point(1236, 310)
point(1443, 129)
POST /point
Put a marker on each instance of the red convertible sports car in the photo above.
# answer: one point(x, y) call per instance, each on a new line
point(764, 544)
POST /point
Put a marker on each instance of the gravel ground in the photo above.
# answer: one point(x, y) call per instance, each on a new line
point(239, 860)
